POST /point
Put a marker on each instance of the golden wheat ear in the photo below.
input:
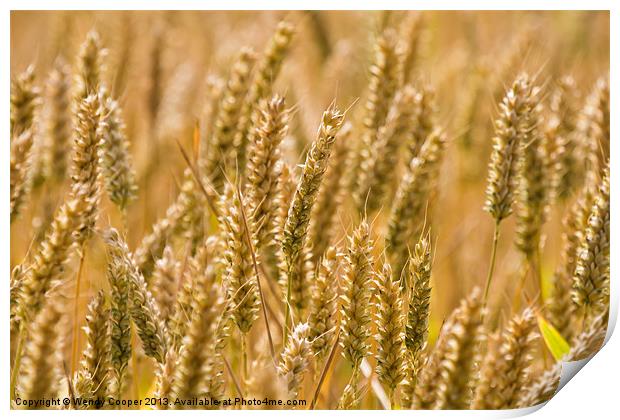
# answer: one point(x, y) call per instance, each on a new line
point(263, 167)
point(222, 152)
point(323, 305)
point(505, 372)
point(357, 290)
point(96, 357)
point(25, 102)
point(390, 337)
point(295, 360)
point(407, 213)
point(592, 271)
point(42, 362)
point(142, 306)
point(115, 160)
point(261, 87)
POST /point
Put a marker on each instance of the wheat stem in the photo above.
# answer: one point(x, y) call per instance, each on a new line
point(244, 360)
point(18, 358)
point(328, 364)
point(255, 264)
point(491, 264)
point(76, 307)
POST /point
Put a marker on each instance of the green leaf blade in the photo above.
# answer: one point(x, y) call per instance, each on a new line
point(556, 344)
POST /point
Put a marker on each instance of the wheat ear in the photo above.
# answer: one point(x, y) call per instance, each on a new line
point(42, 363)
point(324, 218)
point(165, 280)
point(532, 190)
point(142, 307)
point(261, 87)
point(384, 79)
point(192, 371)
point(295, 360)
point(96, 358)
point(323, 305)
point(390, 332)
point(503, 180)
point(90, 66)
point(115, 160)
point(407, 213)
point(25, 99)
point(296, 226)
point(263, 167)
point(58, 121)
point(591, 278)
point(505, 372)
point(447, 379)
point(222, 151)
point(357, 285)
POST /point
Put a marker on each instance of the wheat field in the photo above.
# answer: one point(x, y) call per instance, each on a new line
point(306, 210)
